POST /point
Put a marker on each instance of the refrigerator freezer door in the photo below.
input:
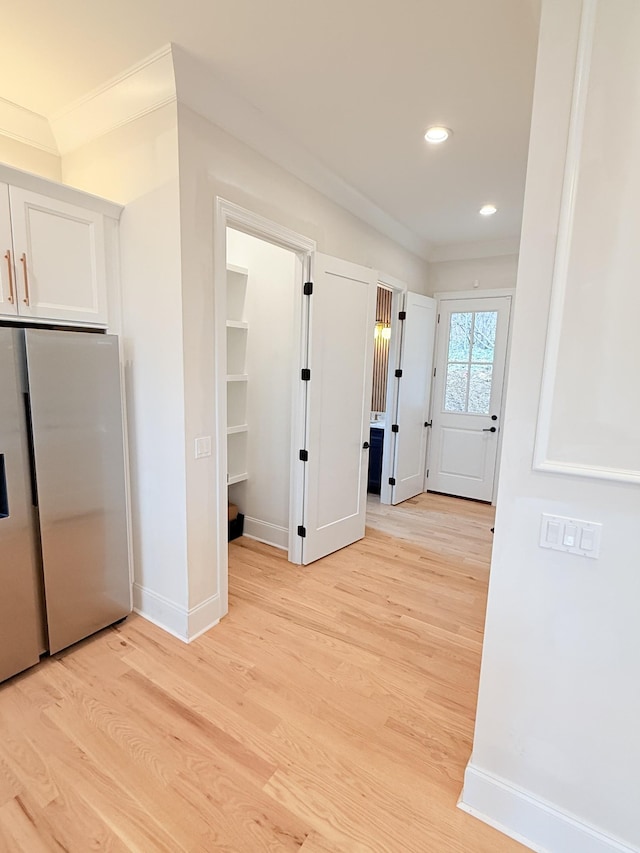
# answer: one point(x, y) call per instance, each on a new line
point(20, 616)
point(76, 416)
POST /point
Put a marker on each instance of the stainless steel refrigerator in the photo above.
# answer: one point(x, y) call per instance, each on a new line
point(64, 568)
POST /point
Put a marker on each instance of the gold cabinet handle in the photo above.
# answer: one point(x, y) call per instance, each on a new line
point(23, 261)
point(7, 256)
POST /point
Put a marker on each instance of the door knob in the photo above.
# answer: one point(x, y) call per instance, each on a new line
point(490, 429)
point(365, 446)
point(494, 417)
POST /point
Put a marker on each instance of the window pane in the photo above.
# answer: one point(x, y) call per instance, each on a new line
point(484, 336)
point(460, 336)
point(455, 395)
point(480, 388)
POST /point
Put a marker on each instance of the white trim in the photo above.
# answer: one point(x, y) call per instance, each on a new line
point(161, 611)
point(541, 461)
point(202, 617)
point(181, 623)
point(263, 531)
point(212, 97)
point(444, 295)
point(139, 90)
point(227, 214)
point(472, 251)
point(27, 127)
point(529, 819)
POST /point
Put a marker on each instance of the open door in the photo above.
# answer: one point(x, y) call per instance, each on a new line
point(340, 360)
point(414, 397)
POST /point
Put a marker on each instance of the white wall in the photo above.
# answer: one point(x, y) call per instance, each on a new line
point(213, 163)
point(557, 742)
point(137, 165)
point(31, 159)
point(270, 309)
point(489, 273)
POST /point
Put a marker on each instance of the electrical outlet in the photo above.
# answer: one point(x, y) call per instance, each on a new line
point(571, 535)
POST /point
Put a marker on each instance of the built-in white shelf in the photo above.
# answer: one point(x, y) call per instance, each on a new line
point(237, 269)
point(237, 377)
point(237, 478)
point(234, 430)
point(237, 324)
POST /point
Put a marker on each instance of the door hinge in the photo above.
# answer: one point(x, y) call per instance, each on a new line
point(438, 318)
point(392, 481)
point(395, 428)
point(304, 455)
point(398, 374)
point(402, 315)
point(302, 531)
point(428, 423)
point(434, 371)
point(305, 374)
point(427, 473)
point(308, 288)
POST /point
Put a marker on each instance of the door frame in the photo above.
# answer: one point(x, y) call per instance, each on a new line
point(461, 295)
point(398, 289)
point(227, 214)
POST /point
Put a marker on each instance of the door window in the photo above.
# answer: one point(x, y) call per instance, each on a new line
point(470, 354)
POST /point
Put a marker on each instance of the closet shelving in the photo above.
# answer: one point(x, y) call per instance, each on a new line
point(237, 378)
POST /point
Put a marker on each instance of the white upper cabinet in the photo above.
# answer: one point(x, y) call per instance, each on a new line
point(8, 300)
point(58, 245)
point(59, 259)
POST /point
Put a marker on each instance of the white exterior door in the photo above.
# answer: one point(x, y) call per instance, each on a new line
point(414, 397)
point(8, 301)
point(59, 259)
point(341, 325)
point(467, 396)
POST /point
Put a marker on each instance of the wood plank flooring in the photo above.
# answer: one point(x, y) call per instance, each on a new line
point(331, 711)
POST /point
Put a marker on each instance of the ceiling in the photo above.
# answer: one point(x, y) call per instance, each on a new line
point(356, 83)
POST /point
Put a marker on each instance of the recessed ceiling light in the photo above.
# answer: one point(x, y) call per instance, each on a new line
point(488, 210)
point(437, 134)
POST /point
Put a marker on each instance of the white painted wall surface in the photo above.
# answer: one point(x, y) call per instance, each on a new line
point(213, 163)
point(31, 159)
point(264, 497)
point(557, 742)
point(137, 165)
point(489, 273)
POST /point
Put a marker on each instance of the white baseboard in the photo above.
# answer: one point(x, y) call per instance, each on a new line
point(184, 624)
point(531, 821)
point(270, 534)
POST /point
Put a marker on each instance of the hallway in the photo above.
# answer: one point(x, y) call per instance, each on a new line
point(331, 711)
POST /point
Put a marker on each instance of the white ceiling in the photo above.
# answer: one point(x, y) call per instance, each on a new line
point(356, 82)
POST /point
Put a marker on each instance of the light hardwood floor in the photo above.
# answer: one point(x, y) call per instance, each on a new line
point(331, 711)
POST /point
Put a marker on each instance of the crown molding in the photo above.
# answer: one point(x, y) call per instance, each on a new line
point(139, 90)
point(27, 127)
point(210, 96)
point(470, 251)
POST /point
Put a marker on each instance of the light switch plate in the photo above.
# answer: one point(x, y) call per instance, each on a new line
point(571, 535)
point(203, 446)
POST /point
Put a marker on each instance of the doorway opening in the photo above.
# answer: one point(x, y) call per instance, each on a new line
point(262, 333)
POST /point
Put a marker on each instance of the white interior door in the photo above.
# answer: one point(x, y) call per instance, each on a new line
point(414, 397)
point(467, 396)
point(341, 324)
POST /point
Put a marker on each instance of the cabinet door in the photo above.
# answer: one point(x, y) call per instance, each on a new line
point(8, 301)
point(59, 259)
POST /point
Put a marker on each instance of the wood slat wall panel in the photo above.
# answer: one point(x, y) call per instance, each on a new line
point(381, 352)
